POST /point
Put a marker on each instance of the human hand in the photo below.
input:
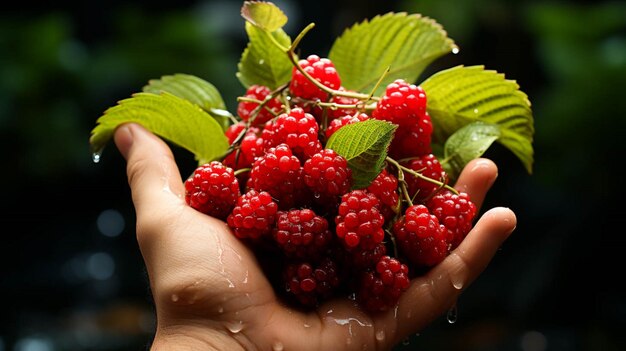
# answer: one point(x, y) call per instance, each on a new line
point(211, 294)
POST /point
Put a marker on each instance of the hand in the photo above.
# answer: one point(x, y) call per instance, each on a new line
point(210, 292)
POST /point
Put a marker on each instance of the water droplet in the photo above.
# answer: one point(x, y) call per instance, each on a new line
point(261, 61)
point(278, 346)
point(175, 298)
point(352, 296)
point(96, 156)
point(453, 314)
point(306, 325)
point(380, 335)
point(476, 110)
point(455, 50)
point(220, 309)
point(235, 327)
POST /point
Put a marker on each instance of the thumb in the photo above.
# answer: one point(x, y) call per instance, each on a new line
point(152, 172)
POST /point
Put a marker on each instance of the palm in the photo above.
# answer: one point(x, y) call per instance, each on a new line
point(203, 277)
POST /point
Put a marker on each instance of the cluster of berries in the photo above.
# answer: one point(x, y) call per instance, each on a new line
point(292, 200)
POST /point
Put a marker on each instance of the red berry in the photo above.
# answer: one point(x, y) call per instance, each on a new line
point(212, 189)
point(245, 108)
point(359, 221)
point(380, 288)
point(455, 212)
point(297, 129)
point(336, 124)
point(420, 237)
point(327, 174)
point(320, 69)
point(428, 166)
point(413, 140)
point(254, 215)
point(302, 234)
point(402, 104)
point(250, 146)
point(311, 283)
point(385, 187)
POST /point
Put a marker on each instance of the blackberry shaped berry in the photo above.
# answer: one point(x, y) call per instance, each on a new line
point(336, 124)
point(245, 108)
point(380, 288)
point(413, 140)
point(253, 216)
point(311, 283)
point(420, 237)
point(297, 129)
point(212, 189)
point(250, 147)
point(455, 212)
point(385, 187)
point(280, 174)
point(327, 174)
point(428, 166)
point(359, 222)
point(320, 69)
point(302, 234)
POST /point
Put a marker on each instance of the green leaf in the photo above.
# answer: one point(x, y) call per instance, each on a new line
point(263, 62)
point(462, 95)
point(168, 116)
point(194, 89)
point(264, 15)
point(406, 44)
point(364, 145)
point(466, 144)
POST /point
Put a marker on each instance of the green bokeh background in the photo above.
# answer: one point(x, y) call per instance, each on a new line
point(71, 274)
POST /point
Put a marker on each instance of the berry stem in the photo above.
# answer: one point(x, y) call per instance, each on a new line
point(421, 176)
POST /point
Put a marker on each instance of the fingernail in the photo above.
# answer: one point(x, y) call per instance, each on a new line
point(124, 139)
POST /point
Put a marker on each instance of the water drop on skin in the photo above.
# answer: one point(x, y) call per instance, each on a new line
point(452, 314)
point(235, 327)
point(278, 346)
point(380, 335)
point(175, 298)
point(220, 310)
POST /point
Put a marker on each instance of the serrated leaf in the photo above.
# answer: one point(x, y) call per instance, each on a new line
point(364, 145)
point(195, 90)
point(172, 118)
point(406, 44)
point(462, 95)
point(263, 62)
point(264, 15)
point(466, 144)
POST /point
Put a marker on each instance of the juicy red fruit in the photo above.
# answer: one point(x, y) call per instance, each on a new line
point(212, 189)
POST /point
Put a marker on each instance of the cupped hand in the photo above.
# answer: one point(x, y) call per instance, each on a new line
point(210, 292)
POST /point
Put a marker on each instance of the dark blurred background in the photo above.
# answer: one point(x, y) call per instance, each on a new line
point(72, 277)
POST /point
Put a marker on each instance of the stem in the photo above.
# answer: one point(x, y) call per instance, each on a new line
point(421, 176)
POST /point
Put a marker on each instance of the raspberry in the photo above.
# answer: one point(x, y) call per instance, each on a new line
point(320, 69)
point(250, 147)
point(413, 140)
point(327, 174)
point(361, 258)
point(455, 212)
point(212, 189)
point(245, 108)
point(297, 129)
point(279, 173)
point(311, 283)
point(420, 237)
point(427, 165)
point(402, 104)
point(302, 234)
point(380, 288)
point(385, 187)
point(335, 124)
point(253, 216)
point(359, 221)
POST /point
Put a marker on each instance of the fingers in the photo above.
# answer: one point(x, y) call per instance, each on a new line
point(152, 172)
point(431, 295)
point(476, 178)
